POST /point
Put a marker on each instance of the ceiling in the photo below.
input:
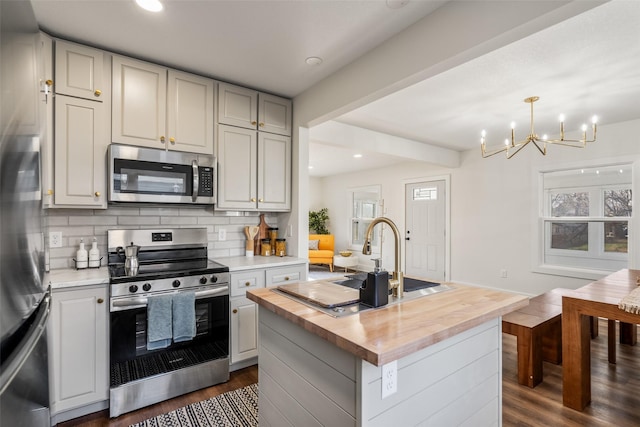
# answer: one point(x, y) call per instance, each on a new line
point(585, 65)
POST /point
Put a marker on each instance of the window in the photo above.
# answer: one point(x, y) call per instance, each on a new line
point(365, 206)
point(585, 218)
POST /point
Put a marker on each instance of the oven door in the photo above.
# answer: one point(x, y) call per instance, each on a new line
point(130, 359)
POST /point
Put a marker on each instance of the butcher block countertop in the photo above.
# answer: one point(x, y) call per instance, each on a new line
point(389, 333)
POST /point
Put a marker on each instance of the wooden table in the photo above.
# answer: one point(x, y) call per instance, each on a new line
point(599, 298)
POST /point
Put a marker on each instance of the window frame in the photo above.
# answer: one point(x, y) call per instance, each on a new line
point(354, 217)
point(543, 253)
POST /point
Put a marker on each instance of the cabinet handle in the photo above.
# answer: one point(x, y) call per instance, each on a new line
point(235, 310)
point(172, 140)
point(261, 125)
point(162, 139)
point(253, 199)
point(97, 193)
point(247, 283)
point(253, 122)
point(100, 300)
point(97, 92)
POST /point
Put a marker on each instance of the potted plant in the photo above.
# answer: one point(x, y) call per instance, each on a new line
point(318, 221)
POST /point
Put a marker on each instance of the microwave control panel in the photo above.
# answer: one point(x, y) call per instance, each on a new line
point(206, 181)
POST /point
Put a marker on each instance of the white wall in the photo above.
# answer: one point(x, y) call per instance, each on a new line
point(316, 198)
point(493, 205)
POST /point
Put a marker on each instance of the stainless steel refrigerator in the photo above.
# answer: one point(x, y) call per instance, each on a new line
point(24, 298)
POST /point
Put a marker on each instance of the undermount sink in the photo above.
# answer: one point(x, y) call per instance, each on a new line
point(415, 289)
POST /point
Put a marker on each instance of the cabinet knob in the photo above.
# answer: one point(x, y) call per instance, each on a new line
point(100, 300)
point(49, 82)
point(172, 140)
point(50, 192)
point(162, 139)
point(97, 193)
point(286, 278)
point(97, 92)
point(247, 283)
point(253, 122)
point(253, 199)
point(235, 310)
point(261, 124)
point(261, 200)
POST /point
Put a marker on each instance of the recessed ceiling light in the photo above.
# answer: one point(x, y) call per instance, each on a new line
point(313, 60)
point(150, 5)
point(396, 4)
point(357, 156)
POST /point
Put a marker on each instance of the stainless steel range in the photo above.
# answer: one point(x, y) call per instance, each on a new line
point(156, 293)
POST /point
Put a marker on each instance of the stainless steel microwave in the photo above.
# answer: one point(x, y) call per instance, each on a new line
point(148, 175)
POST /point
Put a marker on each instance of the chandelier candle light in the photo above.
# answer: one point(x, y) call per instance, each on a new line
point(512, 148)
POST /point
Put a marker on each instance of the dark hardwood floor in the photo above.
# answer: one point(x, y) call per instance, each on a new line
point(615, 393)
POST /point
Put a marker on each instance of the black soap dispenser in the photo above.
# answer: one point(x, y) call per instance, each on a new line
point(375, 290)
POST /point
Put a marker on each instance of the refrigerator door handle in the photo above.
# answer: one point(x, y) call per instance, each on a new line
point(22, 353)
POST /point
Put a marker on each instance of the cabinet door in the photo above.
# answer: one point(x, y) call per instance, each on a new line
point(244, 329)
point(237, 167)
point(274, 114)
point(79, 71)
point(274, 172)
point(79, 349)
point(80, 150)
point(190, 112)
point(139, 103)
point(237, 106)
point(241, 282)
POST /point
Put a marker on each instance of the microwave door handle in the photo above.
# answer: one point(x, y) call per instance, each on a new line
point(196, 181)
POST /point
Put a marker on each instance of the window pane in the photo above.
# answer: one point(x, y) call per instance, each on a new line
point(569, 204)
point(358, 231)
point(570, 235)
point(617, 202)
point(426, 193)
point(616, 236)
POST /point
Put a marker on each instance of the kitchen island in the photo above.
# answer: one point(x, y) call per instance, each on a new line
point(443, 352)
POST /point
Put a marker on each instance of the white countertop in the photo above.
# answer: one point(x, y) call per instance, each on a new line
point(239, 263)
point(70, 277)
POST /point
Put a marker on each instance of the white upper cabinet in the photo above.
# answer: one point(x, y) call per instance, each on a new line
point(160, 108)
point(79, 71)
point(274, 172)
point(247, 108)
point(190, 101)
point(80, 150)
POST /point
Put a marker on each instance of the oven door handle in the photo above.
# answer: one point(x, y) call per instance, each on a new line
point(131, 302)
point(196, 181)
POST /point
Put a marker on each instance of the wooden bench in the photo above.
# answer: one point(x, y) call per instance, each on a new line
point(538, 330)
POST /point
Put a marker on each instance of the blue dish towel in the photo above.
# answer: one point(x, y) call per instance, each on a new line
point(184, 316)
point(159, 330)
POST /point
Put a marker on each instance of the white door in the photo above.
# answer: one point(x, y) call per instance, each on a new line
point(425, 230)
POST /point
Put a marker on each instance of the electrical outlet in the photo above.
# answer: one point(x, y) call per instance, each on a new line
point(389, 378)
point(222, 234)
point(55, 239)
point(503, 273)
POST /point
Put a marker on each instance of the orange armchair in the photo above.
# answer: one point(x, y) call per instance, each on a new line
point(324, 253)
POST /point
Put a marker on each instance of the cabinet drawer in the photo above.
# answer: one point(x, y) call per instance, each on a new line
point(242, 282)
point(293, 273)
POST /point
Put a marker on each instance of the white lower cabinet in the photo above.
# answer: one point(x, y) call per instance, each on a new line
point(78, 348)
point(244, 312)
point(244, 324)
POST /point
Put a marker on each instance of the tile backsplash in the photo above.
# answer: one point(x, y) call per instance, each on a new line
point(76, 224)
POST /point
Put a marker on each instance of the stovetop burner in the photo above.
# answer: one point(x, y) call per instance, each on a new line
point(167, 269)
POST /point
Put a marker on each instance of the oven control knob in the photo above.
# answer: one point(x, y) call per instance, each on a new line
point(203, 280)
point(214, 279)
point(176, 283)
point(146, 287)
point(133, 289)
